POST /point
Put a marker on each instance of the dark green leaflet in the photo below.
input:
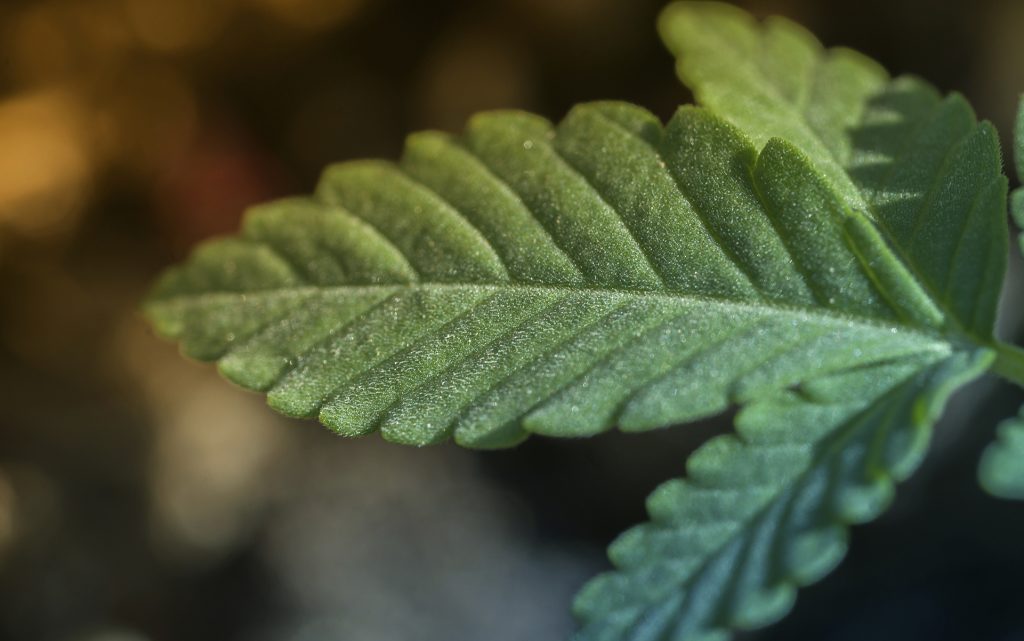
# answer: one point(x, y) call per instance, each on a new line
point(639, 260)
point(763, 512)
point(916, 163)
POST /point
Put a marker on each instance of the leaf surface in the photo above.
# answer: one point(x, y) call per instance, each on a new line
point(763, 512)
point(916, 163)
point(554, 280)
point(817, 248)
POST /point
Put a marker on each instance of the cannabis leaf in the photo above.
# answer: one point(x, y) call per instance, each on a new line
point(556, 281)
point(821, 245)
point(762, 512)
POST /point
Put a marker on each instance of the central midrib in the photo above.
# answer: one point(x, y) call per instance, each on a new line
point(946, 341)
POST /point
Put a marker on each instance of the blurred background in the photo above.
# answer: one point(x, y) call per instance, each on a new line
point(144, 499)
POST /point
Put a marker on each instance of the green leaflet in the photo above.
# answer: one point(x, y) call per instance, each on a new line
point(774, 80)
point(1000, 471)
point(764, 511)
point(917, 164)
point(558, 281)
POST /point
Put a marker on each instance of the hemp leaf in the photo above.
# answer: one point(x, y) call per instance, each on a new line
point(527, 279)
point(817, 244)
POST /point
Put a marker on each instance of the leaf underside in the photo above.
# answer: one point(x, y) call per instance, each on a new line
point(823, 249)
point(764, 511)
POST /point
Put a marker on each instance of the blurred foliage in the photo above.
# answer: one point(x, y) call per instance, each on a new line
point(142, 499)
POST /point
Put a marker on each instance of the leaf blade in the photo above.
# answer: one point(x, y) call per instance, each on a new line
point(765, 512)
point(407, 324)
point(682, 269)
point(919, 165)
point(743, 71)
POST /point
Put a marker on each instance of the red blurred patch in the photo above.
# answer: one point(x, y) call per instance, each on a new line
point(207, 188)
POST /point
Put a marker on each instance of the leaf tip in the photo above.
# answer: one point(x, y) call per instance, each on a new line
point(675, 19)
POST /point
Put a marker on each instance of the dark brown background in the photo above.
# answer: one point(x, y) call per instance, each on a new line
point(141, 498)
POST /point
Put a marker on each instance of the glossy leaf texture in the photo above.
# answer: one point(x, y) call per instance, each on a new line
point(1001, 471)
point(916, 163)
point(525, 278)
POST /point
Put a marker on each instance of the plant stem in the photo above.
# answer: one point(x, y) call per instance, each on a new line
point(1010, 363)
